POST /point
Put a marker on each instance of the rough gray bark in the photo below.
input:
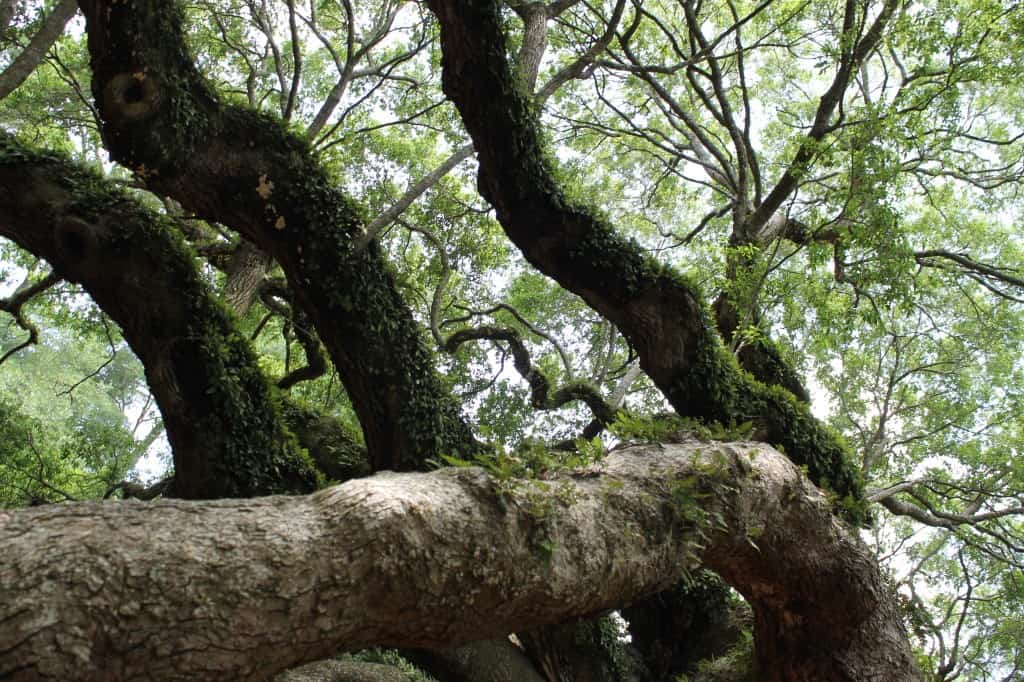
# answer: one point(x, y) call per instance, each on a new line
point(26, 62)
point(490, 660)
point(343, 671)
point(246, 270)
point(239, 590)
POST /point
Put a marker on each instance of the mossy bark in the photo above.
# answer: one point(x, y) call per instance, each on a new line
point(663, 315)
point(411, 560)
point(246, 170)
point(220, 412)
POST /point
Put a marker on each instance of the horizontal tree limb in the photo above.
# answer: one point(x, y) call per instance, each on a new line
point(242, 589)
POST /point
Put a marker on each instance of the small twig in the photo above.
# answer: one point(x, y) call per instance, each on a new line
point(95, 372)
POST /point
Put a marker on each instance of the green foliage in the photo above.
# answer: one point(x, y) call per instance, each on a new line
point(914, 362)
point(669, 428)
point(392, 658)
point(531, 461)
point(737, 665)
point(69, 423)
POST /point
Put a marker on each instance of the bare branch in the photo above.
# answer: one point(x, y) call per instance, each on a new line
point(13, 305)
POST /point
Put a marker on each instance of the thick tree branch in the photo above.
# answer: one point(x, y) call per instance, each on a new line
point(242, 589)
point(240, 168)
point(220, 413)
point(661, 313)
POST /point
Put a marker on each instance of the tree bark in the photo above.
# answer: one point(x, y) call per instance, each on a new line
point(343, 671)
point(489, 660)
point(245, 272)
point(243, 169)
point(177, 590)
point(221, 414)
point(662, 313)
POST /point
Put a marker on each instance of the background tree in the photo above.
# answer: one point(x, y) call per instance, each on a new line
point(722, 210)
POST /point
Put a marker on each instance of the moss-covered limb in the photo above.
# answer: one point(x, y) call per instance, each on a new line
point(219, 411)
point(760, 356)
point(245, 170)
point(661, 313)
point(336, 452)
point(541, 395)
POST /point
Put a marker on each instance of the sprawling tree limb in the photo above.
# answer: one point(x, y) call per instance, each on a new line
point(219, 411)
point(14, 304)
point(26, 62)
point(661, 313)
point(541, 395)
point(242, 589)
point(242, 169)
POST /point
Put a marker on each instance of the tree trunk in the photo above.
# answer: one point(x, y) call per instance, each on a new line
point(489, 660)
point(220, 412)
point(240, 590)
point(243, 169)
point(246, 270)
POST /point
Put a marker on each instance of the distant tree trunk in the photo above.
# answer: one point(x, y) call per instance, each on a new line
point(246, 270)
point(8, 8)
point(242, 589)
point(676, 629)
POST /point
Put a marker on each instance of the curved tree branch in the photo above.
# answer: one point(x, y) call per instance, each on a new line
point(660, 313)
point(13, 306)
point(541, 396)
point(269, 583)
point(242, 169)
point(218, 408)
